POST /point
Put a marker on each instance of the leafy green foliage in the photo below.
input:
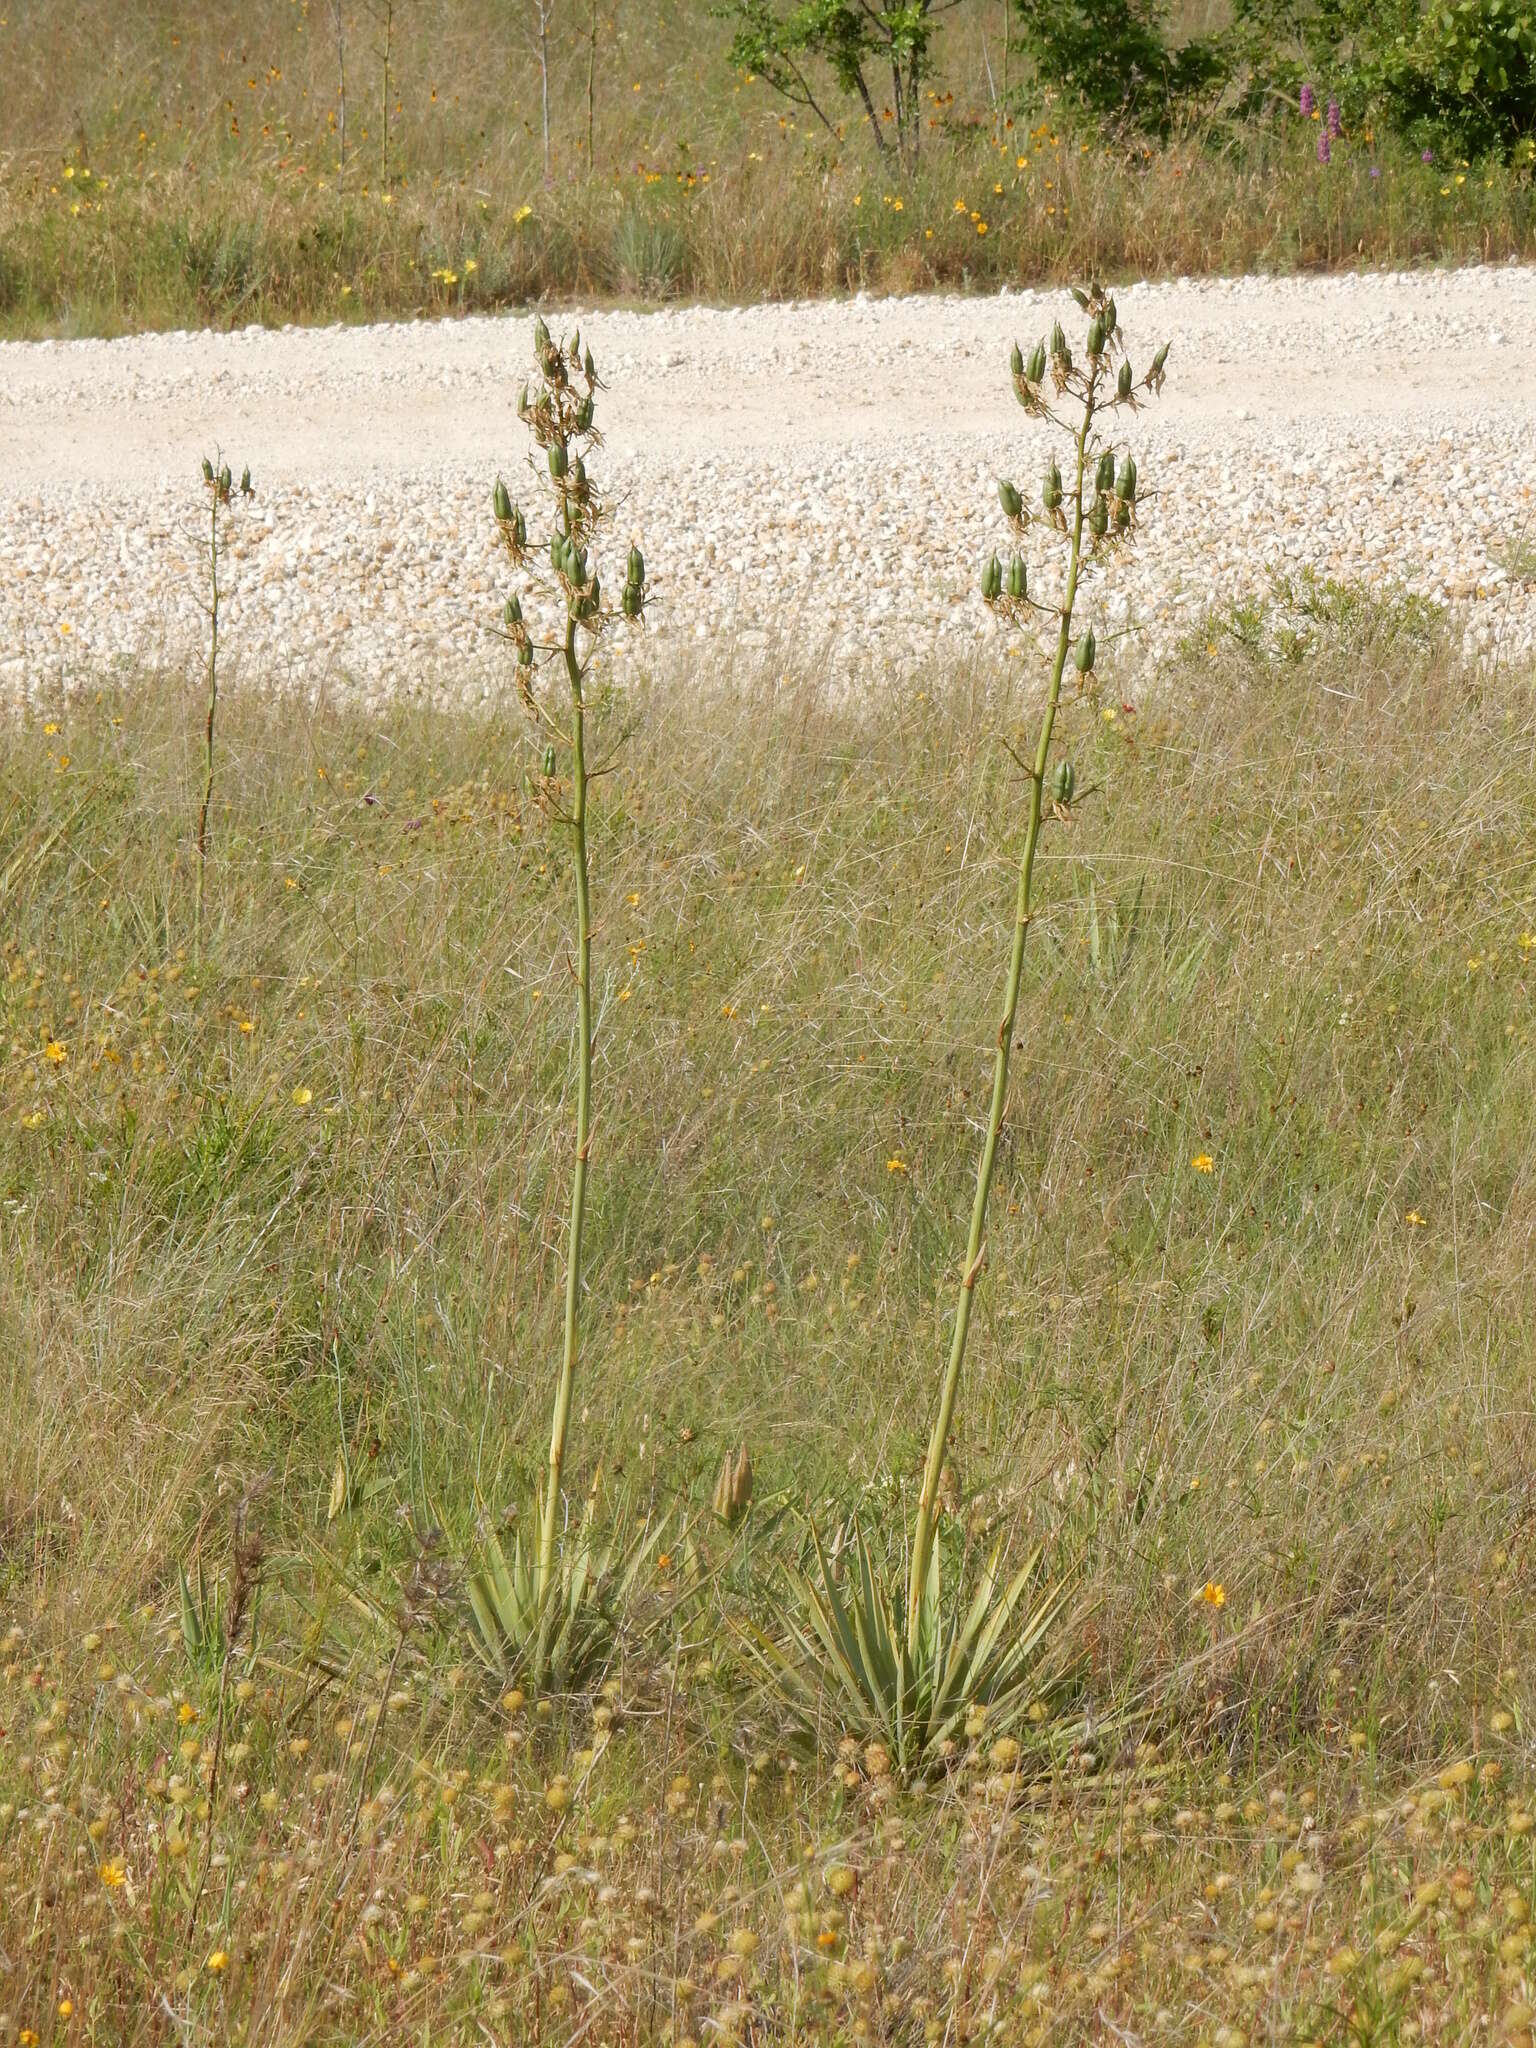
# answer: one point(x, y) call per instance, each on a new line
point(849, 41)
point(1111, 60)
point(1465, 75)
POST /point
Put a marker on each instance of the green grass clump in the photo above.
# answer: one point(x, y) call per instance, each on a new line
point(285, 1229)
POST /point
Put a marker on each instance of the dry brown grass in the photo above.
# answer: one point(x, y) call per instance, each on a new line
point(1276, 1413)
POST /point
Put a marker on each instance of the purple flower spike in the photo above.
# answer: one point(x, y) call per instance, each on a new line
point(1335, 124)
point(1308, 102)
point(1375, 170)
point(1324, 146)
point(1426, 156)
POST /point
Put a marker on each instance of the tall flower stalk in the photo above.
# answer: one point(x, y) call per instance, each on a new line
point(536, 1612)
point(1100, 501)
point(220, 488)
point(902, 1662)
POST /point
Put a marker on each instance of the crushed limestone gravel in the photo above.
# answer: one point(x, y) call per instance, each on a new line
point(818, 472)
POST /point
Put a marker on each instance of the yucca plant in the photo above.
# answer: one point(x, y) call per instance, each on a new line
point(549, 1613)
point(847, 1655)
point(221, 490)
point(562, 1627)
point(908, 1664)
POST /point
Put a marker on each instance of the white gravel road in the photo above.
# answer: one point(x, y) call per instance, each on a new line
point(823, 469)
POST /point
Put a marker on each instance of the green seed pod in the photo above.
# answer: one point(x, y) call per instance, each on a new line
point(631, 600)
point(584, 414)
point(1016, 360)
point(1123, 381)
point(1086, 650)
point(1098, 517)
point(525, 653)
point(207, 471)
point(247, 488)
point(557, 553)
point(1122, 515)
point(1063, 782)
point(519, 528)
point(224, 479)
point(1050, 490)
point(1096, 339)
point(1016, 582)
point(634, 568)
point(513, 612)
point(579, 477)
point(559, 461)
point(549, 760)
point(589, 367)
point(501, 502)
point(1125, 482)
point(1058, 341)
point(1036, 368)
point(522, 403)
point(576, 560)
point(992, 579)
point(1104, 476)
point(540, 334)
point(1008, 497)
point(1110, 316)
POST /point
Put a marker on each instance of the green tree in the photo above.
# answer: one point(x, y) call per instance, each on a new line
point(856, 43)
point(1111, 60)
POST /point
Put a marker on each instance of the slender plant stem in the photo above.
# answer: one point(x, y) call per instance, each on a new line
point(938, 1442)
point(591, 84)
point(545, 9)
point(213, 705)
point(564, 1392)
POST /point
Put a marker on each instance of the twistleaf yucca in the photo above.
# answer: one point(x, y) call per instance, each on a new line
point(549, 1614)
point(901, 1662)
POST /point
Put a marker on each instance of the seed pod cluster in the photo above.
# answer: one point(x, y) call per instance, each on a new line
point(1028, 376)
point(632, 599)
point(559, 412)
point(221, 482)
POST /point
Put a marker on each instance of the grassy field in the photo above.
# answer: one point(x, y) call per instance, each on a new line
point(1252, 1358)
point(192, 171)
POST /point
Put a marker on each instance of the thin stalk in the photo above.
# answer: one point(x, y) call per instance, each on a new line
point(213, 705)
point(591, 83)
point(938, 1442)
point(341, 87)
point(389, 35)
point(560, 1424)
point(544, 10)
